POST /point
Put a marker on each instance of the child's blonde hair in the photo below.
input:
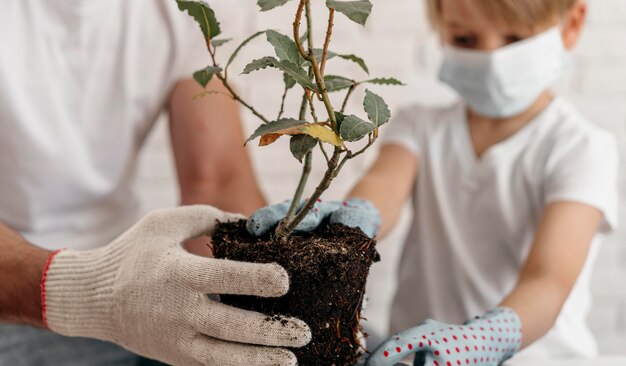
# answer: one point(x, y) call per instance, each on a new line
point(529, 14)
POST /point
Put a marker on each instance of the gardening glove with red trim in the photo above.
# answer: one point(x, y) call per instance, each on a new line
point(354, 212)
point(486, 341)
point(147, 294)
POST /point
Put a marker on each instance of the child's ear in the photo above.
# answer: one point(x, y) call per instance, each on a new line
point(574, 24)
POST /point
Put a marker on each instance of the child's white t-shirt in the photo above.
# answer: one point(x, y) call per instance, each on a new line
point(474, 219)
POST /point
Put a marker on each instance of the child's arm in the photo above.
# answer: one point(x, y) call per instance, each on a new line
point(388, 183)
point(556, 259)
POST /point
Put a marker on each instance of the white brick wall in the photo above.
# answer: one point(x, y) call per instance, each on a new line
point(397, 42)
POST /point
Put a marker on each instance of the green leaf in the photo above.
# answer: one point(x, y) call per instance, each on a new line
point(356, 59)
point(205, 75)
point(335, 83)
point(317, 52)
point(289, 81)
point(259, 64)
point(285, 48)
point(358, 11)
point(384, 81)
point(295, 72)
point(353, 128)
point(203, 15)
point(270, 4)
point(275, 126)
point(339, 117)
point(300, 145)
point(376, 109)
point(219, 42)
point(245, 42)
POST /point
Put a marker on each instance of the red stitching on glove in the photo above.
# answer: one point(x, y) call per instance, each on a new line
point(43, 287)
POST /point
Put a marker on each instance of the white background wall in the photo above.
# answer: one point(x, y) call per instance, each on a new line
point(397, 42)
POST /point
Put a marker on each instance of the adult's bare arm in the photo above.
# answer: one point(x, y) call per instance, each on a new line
point(207, 138)
point(21, 267)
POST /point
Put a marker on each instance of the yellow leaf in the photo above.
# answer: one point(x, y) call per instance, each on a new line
point(268, 139)
point(322, 133)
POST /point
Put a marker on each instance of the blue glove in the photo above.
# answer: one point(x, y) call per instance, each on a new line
point(356, 213)
point(487, 341)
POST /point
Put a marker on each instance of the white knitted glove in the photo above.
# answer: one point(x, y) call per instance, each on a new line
point(147, 294)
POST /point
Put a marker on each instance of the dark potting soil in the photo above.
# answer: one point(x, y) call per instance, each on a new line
point(328, 270)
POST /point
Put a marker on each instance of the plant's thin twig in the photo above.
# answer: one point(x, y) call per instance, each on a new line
point(311, 106)
point(230, 89)
point(306, 171)
point(348, 95)
point(314, 65)
point(238, 98)
point(282, 103)
point(370, 142)
point(324, 152)
point(329, 32)
point(350, 155)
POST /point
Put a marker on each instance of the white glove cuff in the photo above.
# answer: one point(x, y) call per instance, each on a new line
point(76, 293)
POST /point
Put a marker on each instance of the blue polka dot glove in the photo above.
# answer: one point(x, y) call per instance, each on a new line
point(486, 341)
point(356, 213)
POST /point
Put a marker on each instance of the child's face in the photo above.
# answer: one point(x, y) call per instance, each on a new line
point(465, 25)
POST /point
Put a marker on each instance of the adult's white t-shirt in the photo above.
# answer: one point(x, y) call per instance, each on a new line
point(474, 219)
point(81, 84)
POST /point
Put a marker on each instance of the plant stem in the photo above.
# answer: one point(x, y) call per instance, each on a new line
point(311, 106)
point(324, 184)
point(308, 158)
point(314, 65)
point(348, 95)
point(241, 101)
point(307, 92)
point(335, 163)
point(350, 155)
point(230, 89)
point(329, 32)
point(306, 171)
point(282, 103)
point(324, 152)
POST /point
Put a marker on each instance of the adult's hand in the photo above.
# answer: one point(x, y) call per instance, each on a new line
point(147, 294)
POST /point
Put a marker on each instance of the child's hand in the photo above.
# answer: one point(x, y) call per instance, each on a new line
point(489, 340)
point(353, 213)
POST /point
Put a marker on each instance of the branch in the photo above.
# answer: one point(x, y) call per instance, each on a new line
point(230, 89)
point(282, 103)
point(237, 98)
point(311, 106)
point(350, 155)
point(329, 32)
point(283, 231)
point(324, 152)
point(304, 177)
point(306, 170)
point(348, 95)
point(314, 65)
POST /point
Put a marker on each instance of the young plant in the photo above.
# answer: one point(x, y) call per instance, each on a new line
point(305, 67)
